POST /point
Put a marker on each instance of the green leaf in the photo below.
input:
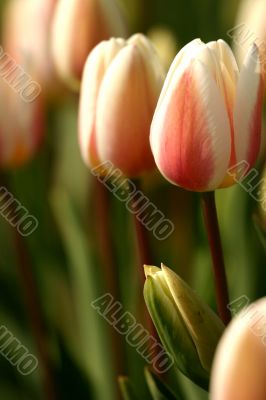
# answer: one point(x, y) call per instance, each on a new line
point(95, 352)
point(259, 230)
point(158, 388)
point(126, 388)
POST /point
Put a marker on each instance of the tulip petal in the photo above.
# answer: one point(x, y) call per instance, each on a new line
point(248, 108)
point(190, 133)
point(172, 330)
point(225, 56)
point(78, 26)
point(186, 53)
point(94, 70)
point(240, 361)
point(125, 108)
point(198, 317)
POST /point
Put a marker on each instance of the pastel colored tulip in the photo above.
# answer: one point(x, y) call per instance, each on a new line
point(188, 328)
point(121, 84)
point(165, 44)
point(26, 38)
point(250, 27)
point(208, 117)
point(240, 361)
point(21, 127)
point(78, 26)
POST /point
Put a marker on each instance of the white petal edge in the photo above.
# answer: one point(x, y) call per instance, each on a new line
point(246, 99)
point(217, 120)
point(95, 67)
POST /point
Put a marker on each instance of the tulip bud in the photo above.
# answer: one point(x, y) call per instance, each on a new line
point(208, 117)
point(21, 127)
point(26, 38)
point(240, 361)
point(78, 26)
point(165, 44)
point(188, 328)
point(120, 88)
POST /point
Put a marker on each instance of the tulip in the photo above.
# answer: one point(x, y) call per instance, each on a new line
point(120, 88)
point(78, 26)
point(188, 328)
point(240, 361)
point(249, 28)
point(21, 127)
point(26, 38)
point(208, 117)
point(165, 44)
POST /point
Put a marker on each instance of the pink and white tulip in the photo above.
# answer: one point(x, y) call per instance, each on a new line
point(240, 362)
point(250, 27)
point(208, 117)
point(78, 26)
point(21, 127)
point(120, 88)
point(26, 38)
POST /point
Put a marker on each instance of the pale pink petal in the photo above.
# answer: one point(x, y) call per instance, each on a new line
point(248, 107)
point(94, 70)
point(190, 134)
point(186, 53)
point(124, 112)
point(240, 362)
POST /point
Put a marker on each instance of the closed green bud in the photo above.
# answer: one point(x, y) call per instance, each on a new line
point(188, 328)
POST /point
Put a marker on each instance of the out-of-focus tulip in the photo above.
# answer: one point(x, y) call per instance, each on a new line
point(249, 28)
point(188, 328)
point(21, 127)
point(120, 88)
point(78, 26)
point(165, 44)
point(208, 118)
point(26, 38)
point(240, 361)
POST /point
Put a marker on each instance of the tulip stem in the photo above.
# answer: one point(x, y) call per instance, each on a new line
point(143, 244)
point(34, 313)
point(145, 258)
point(212, 227)
point(104, 237)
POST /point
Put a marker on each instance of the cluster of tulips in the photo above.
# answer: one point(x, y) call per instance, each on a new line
point(194, 123)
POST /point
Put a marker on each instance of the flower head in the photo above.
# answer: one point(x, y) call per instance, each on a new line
point(78, 26)
point(120, 87)
point(208, 118)
point(188, 328)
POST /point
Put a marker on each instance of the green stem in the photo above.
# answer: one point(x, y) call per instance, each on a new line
point(145, 258)
point(104, 237)
point(144, 250)
point(212, 227)
point(33, 307)
point(32, 302)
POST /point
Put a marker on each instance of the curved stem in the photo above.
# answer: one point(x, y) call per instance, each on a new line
point(212, 227)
